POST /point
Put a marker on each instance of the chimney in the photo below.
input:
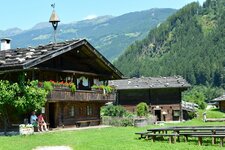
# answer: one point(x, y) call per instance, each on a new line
point(5, 44)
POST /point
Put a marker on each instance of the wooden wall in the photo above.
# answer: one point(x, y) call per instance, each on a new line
point(67, 113)
point(133, 97)
point(150, 96)
point(172, 111)
point(73, 60)
point(165, 96)
point(159, 100)
point(222, 106)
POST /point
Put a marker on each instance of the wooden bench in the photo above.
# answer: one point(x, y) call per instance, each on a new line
point(15, 125)
point(88, 122)
point(172, 136)
point(48, 125)
point(38, 128)
point(221, 136)
point(187, 134)
point(143, 135)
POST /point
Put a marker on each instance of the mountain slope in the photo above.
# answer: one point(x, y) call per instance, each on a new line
point(110, 35)
point(190, 43)
point(10, 32)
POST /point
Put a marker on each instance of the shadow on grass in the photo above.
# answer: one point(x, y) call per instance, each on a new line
point(215, 109)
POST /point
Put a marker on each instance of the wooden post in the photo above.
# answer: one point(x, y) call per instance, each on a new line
point(47, 112)
point(153, 138)
point(57, 115)
point(175, 139)
point(178, 138)
point(181, 112)
point(146, 137)
point(33, 77)
point(199, 141)
point(170, 139)
point(221, 141)
point(186, 138)
point(213, 140)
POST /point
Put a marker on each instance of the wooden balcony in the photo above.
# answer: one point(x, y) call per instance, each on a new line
point(80, 95)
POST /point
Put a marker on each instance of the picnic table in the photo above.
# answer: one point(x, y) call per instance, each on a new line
point(187, 131)
point(213, 129)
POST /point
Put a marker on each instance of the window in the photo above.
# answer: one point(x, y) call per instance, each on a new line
point(89, 110)
point(98, 82)
point(72, 111)
point(176, 113)
point(81, 113)
point(83, 83)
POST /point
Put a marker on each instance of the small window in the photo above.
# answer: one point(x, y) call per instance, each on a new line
point(81, 111)
point(72, 111)
point(176, 113)
point(77, 111)
point(83, 83)
point(89, 110)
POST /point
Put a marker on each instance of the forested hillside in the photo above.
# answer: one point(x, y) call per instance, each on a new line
point(191, 43)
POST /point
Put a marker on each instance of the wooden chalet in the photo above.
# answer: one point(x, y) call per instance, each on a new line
point(162, 94)
point(221, 102)
point(74, 61)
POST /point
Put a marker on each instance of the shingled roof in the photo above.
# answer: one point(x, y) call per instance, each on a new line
point(150, 83)
point(25, 58)
point(21, 57)
point(221, 98)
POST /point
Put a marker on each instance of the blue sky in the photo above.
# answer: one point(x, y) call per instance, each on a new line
point(26, 13)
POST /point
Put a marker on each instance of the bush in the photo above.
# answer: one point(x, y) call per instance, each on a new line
point(117, 121)
point(72, 87)
point(116, 116)
point(48, 86)
point(142, 109)
point(115, 111)
point(191, 115)
point(107, 88)
point(127, 122)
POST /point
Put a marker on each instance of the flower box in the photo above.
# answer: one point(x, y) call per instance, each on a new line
point(26, 129)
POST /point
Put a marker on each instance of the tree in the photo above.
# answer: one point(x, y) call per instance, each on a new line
point(23, 98)
point(7, 96)
point(32, 97)
point(197, 97)
point(202, 94)
point(190, 43)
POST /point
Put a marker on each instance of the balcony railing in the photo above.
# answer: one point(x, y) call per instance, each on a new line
point(80, 95)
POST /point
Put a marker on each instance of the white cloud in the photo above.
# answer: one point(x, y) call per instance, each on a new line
point(90, 17)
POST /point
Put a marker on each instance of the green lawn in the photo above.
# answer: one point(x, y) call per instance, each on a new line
point(113, 138)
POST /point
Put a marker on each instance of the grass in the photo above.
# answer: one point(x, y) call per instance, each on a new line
point(113, 138)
